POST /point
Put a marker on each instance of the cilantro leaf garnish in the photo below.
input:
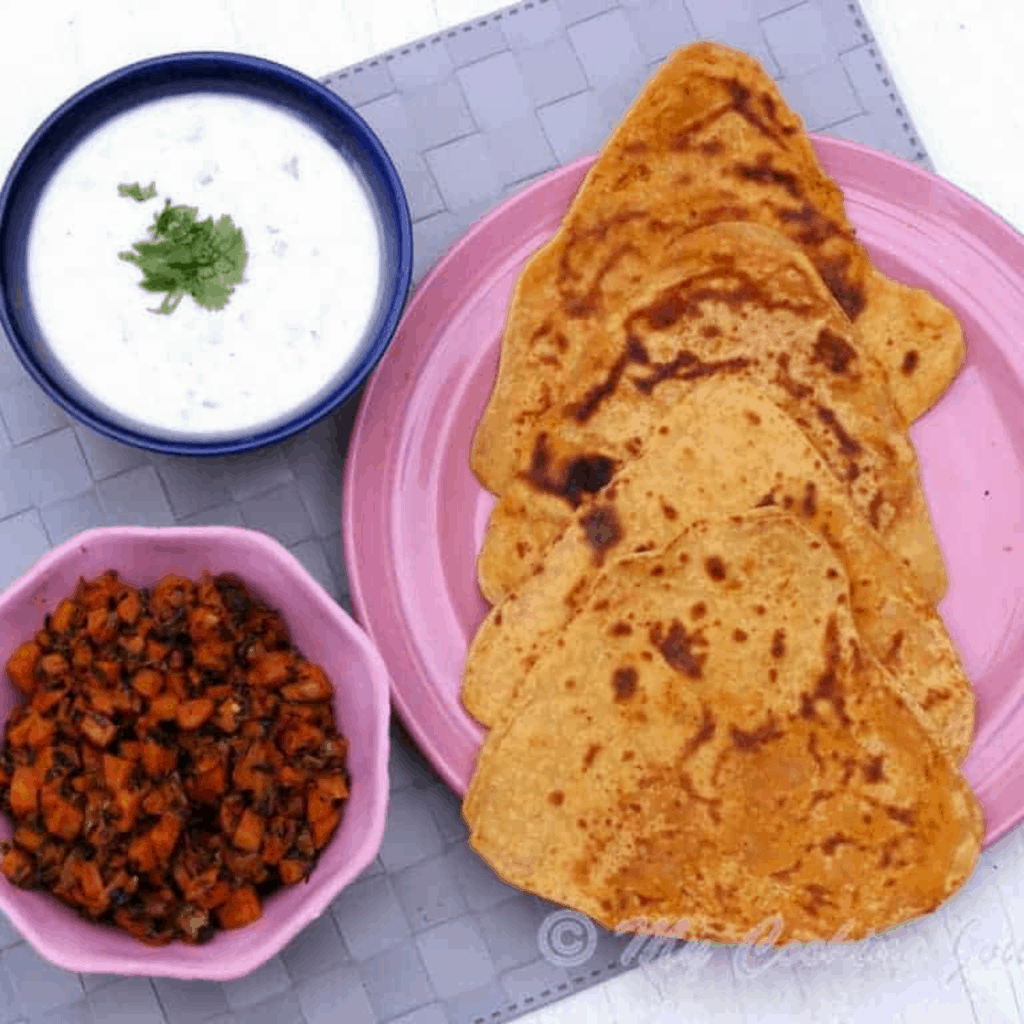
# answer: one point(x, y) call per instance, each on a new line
point(199, 258)
point(134, 191)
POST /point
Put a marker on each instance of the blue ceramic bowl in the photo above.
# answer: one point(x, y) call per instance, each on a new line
point(174, 75)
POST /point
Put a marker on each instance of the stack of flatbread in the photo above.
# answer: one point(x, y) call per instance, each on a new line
point(717, 688)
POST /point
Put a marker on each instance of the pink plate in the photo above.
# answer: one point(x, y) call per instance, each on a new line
point(414, 515)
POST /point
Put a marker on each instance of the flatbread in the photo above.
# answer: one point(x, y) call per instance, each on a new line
point(722, 754)
point(710, 139)
point(729, 300)
point(725, 451)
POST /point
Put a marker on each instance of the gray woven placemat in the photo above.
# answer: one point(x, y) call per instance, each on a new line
point(429, 935)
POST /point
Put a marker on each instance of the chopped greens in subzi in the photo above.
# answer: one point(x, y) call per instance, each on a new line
point(204, 259)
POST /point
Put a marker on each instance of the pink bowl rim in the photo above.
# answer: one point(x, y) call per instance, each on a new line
point(256, 954)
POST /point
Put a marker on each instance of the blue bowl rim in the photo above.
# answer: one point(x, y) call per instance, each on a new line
point(364, 137)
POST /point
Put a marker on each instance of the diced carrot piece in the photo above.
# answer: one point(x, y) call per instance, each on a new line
point(193, 713)
point(80, 783)
point(157, 760)
point(273, 849)
point(17, 866)
point(216, 896)
point(54, 666)
point(208, 785)
point(177, 684)
point(46, 700)
point(323, 828)
point(170, 594)
point(249, 834)
point(131, 751)
point(81, 654)
point(127, 801)
point(29, 838)
point(142, 854)
point(302, 737)
point(155, 802)
point(242, 908)
point(310, 684)
point(271, 670)
point(102, 701)
point(101, 625)
point(24, 791)
point(164, 708)
point(116, 771)
point(99, 729)
point(62, 818)
point(334, 785)
point(148, 682)
point(292, 776)
point(129, 607)
point(156, 652)
point(291, 871)
point(133, 645)
point(164, 834)
point(21, 667)
point(110, 670)
point(63, 618)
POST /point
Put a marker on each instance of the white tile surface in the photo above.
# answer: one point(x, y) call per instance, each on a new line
point(957, 66)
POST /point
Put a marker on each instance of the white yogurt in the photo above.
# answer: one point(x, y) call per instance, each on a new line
point(291, 329)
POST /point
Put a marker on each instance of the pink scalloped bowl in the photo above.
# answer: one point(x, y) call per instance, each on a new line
point(321, 631)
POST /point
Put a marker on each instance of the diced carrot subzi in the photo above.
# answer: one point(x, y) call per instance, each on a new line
point(193, 713)
point(242, 908)
point(249, 834)
point(24, 791)
point(148, 682)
